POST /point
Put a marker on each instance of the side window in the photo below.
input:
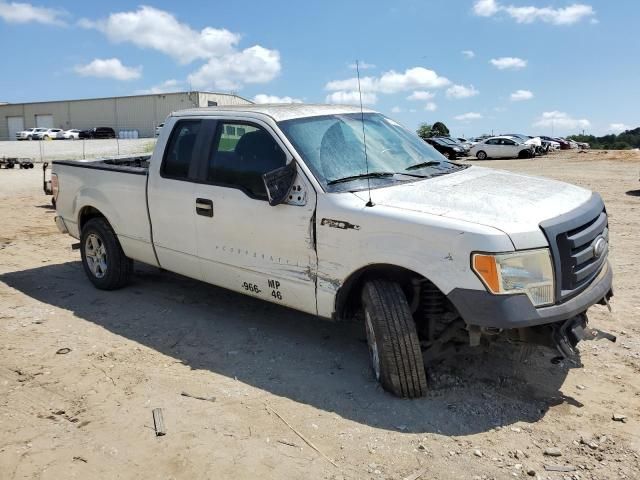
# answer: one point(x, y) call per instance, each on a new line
point(509, 142)
point(242, 153)
point(493, 141)
point(179, 150)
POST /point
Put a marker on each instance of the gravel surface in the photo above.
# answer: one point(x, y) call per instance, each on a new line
point(252, 390)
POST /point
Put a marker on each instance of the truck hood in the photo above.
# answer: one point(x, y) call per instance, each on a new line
point(510, 202)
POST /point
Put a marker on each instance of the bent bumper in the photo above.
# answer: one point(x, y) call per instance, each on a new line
point(484, 309)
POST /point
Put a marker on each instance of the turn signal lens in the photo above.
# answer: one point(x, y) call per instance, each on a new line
point(485, 266)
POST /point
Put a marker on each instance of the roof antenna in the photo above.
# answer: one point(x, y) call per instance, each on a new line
point(364, 136)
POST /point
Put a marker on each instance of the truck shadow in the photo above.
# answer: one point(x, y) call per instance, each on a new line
point(298, 356)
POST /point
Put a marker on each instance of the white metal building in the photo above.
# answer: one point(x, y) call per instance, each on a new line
point(139, 113)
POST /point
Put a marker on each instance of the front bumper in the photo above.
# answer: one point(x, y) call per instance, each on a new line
point(481, 308)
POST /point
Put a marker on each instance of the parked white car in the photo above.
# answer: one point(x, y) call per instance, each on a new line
point(72, 134)
point(501, 147)
point(26, 134)
point(48, 134)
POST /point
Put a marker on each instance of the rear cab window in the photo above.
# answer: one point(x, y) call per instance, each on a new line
point(178, 155)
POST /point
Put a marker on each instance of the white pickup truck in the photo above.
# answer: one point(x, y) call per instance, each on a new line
point(285, 203)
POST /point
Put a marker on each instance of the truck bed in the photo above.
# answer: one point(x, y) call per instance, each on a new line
point(116, 187)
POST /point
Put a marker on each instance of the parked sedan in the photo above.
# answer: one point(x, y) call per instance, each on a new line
point(97, 132)
point(72, 134)
point(502, 147)
point(449, 150)
point(48, 134)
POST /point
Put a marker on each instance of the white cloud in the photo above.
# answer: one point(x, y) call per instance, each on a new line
point(108, 68)
point(392, 81)
point(164, 87)
point(560, 121)
point(229, 72)
point(618, 127)
point(528, 14)
point(485, 8)
point(396, 109)
point(264, 98)
point(465, 117)
point(555, 16)
point(362, 66)
point(352, 98)
point(226, 66)
point(504, 63)
point(520, 95)
point(412, 78)
point(156, 29)
point(421, 95)
point(431, 107)
point(460, 91)
point(468, 53)
point(16, 12)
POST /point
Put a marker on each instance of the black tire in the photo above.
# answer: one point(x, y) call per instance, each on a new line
point(481, 155)
point(393, 339)
point(118, 267)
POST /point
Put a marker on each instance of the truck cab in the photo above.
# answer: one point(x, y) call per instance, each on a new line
point(290, 204)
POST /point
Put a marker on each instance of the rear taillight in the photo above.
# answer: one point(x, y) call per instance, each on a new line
point(54, 186)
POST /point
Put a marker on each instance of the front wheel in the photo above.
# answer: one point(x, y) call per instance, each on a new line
point(393, 341)
point(481, 155)
point(103, 260)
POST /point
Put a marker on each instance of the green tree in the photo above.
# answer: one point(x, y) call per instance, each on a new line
point(439, 129)
point(424, 131)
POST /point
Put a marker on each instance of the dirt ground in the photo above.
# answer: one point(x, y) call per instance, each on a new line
point(282, 394)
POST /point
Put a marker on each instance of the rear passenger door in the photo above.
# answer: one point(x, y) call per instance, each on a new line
point(491, 148)
point(244, 243)
point(172, 199)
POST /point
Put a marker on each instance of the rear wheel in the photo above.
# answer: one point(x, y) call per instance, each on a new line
point(103, 260)
point(393, 341)
point(481, 155)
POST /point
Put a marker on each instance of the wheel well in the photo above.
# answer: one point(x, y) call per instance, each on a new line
point(348, 301)
point(86, 214)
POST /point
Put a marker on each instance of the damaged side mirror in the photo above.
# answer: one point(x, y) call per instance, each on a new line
point(278, 183)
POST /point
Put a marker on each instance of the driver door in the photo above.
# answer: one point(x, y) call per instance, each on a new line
point(244, 243)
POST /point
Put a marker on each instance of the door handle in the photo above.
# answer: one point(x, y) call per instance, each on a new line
point(204, 207)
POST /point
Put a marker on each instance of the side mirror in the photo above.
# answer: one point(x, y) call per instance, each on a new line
point(278, 183)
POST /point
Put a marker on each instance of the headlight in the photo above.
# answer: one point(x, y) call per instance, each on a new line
point(529, 272)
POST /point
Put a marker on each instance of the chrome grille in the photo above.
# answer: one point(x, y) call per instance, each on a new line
point(579, 242)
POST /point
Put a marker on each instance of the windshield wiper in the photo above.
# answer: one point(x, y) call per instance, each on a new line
point(431, 163)
point(362, 175)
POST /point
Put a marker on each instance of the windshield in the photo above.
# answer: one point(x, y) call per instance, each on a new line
point(333, 148)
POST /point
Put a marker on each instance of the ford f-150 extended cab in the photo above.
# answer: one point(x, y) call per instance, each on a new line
point(290, 204)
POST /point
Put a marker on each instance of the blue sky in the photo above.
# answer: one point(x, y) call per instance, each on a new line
point(506, 66)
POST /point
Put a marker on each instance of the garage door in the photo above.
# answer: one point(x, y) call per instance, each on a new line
point(44, 121)
point(15, 124)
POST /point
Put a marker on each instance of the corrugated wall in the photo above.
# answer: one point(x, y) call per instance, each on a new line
point(220, 99)
point(142, 113)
